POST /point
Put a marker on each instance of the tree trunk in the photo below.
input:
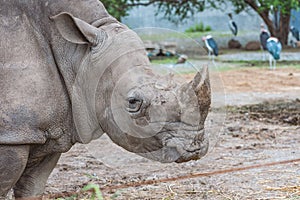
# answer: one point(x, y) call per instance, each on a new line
point(284, 23)
point(284, 27)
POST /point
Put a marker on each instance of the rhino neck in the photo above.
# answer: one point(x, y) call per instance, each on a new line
point(71, 58)
point(68, 58)
point(75, 62)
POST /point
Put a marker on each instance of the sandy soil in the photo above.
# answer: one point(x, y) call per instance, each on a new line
point(261, 80)
point(255, 152)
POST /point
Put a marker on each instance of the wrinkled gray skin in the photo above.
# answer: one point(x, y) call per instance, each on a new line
point(45, 105)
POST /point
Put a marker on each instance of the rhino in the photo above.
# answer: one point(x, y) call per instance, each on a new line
point(71, 72)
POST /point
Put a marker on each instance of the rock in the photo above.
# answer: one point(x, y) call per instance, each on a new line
point(234, 44)
point(252, 46)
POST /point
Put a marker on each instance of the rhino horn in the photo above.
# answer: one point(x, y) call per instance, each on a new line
point(201, 87)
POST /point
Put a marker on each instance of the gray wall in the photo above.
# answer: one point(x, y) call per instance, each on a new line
point(145, 17)
point(295, 19)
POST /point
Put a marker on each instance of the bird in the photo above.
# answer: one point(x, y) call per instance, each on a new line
point(263, 37)
point(232, 25)
point(160, 52)
point(274, 48)
point(211, 45)
point(295, 36)
point(182, 59)
point(295, 32)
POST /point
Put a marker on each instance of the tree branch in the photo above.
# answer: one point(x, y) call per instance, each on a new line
point(264, 14)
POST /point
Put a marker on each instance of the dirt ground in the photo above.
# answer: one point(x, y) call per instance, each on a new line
point(255, 152)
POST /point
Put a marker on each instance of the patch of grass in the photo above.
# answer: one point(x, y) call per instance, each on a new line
point(167, 35)
point(225, 65)
point(197, 34)
point(198, 28)
point(189, 69)
point(264, 64)
point(215, 34)
point(95, 189)
point(164, 35)
point(167, 60)
point(252, 64)
point(296, 66)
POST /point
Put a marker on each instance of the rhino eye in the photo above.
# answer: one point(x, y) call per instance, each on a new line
point(134, 104)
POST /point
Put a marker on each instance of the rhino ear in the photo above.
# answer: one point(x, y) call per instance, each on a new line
point(76, 30)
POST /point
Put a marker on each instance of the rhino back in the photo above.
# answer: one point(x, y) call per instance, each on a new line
point(36, 66)
point(33, 97)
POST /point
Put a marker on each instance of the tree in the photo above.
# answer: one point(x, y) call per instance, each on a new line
point(279, 25)
point(176, 10)
point(117, 8)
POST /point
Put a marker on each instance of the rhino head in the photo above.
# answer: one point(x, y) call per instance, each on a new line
point(117, 92)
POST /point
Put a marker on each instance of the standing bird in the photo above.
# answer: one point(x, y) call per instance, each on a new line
point(274, 48)
point(263, 37)
point(295, 36)
point(212, 46)
point(232, 25)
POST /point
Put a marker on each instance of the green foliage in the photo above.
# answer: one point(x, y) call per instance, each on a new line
point(284, 6)
point(96, 193)
point(198, 28)
point(117, 8)
point(207, 28)
point(174, 10)
point(178, 10)
point(261, 5)
point(171, 60)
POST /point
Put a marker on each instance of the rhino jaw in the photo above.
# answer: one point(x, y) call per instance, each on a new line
point(177, 145)
point(192, 145)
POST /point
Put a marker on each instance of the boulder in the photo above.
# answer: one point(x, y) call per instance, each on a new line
point(234, 44)
point(253, 46)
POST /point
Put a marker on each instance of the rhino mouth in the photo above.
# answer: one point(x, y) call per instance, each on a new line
point(194, 148)
point(175, 147)
point(193, 153)
point(182, 145)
